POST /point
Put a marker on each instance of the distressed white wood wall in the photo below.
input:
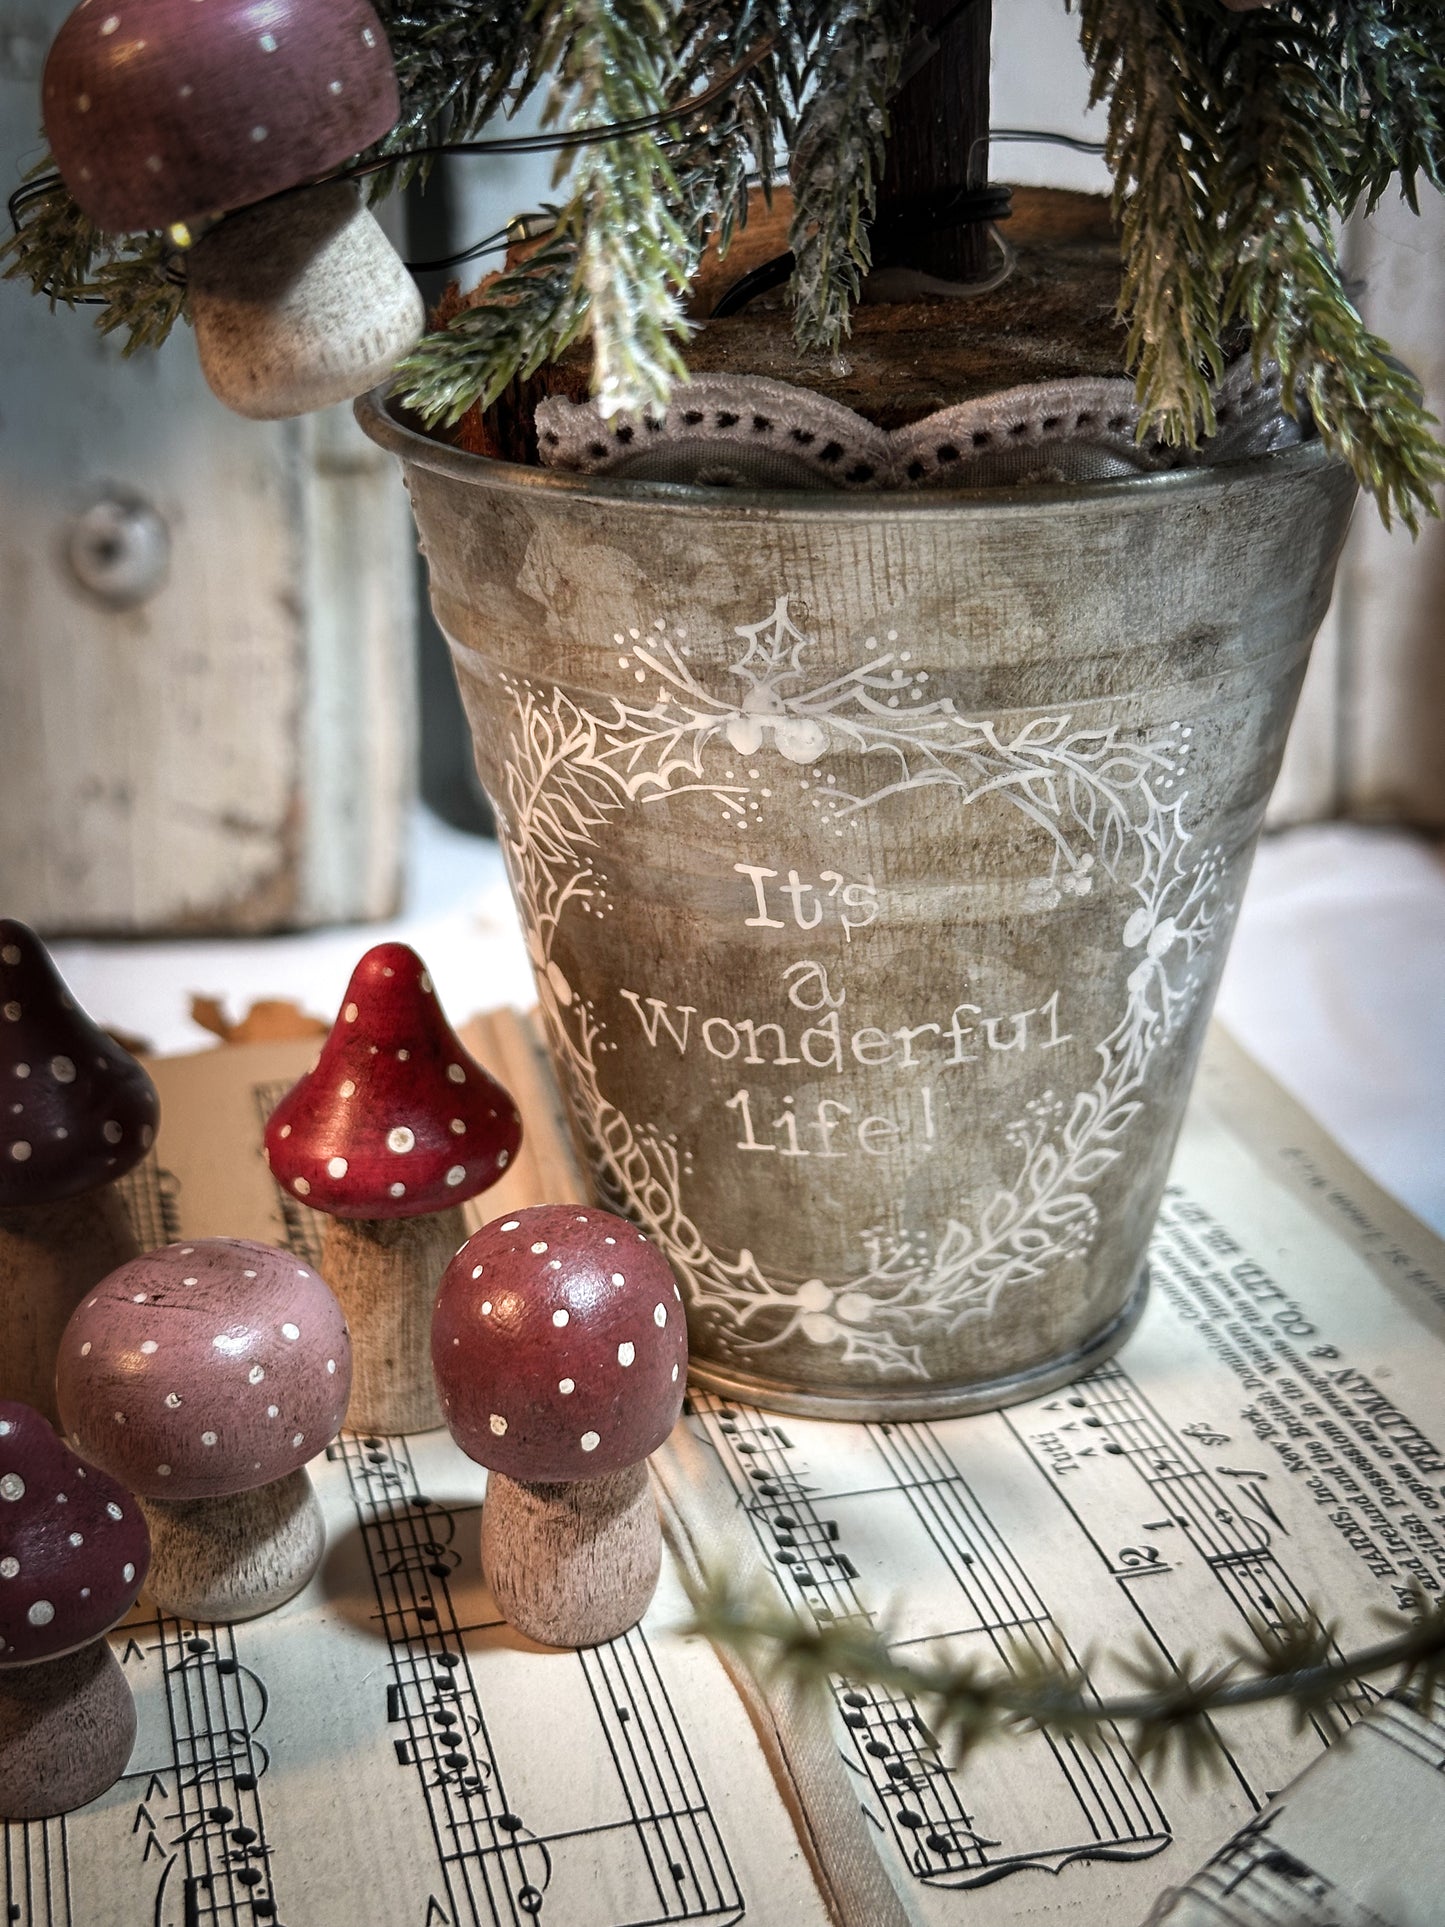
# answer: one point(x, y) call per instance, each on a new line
point(233, 749)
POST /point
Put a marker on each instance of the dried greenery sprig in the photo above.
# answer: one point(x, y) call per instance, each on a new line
point(1294, 1658)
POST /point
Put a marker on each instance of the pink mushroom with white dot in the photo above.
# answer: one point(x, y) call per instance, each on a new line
point(393, 1128)
point(76, 1114)
point(560, 1352)
point(163, 114)
point(206, 1375)
point(73, 1553)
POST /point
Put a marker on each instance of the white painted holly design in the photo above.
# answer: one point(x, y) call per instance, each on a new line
point(1104, 804)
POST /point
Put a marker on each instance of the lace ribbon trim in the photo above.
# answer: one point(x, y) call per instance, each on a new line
point(748, 431)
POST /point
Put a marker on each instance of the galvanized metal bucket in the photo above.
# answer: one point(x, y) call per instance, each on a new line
point(877, 858)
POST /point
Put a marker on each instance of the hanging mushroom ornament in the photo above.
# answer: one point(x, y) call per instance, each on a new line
point(389, 1133)
point(205, 1375)
point(73, 1553)
point(164, 115)
point(76, 1113)
point(560, 1353)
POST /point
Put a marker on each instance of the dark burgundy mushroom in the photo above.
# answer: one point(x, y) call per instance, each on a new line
point(393, 1128)
point(73, 1553)
point(206, 1375)
point(560, 1352)
point(166, 114)
point(76, 1113)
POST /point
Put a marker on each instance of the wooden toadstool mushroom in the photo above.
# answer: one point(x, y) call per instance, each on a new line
point(76, 1113)
point(205, 1376)
point(73, 1553)
point(389, 1133)
point(163, 114)
point(560, 1352)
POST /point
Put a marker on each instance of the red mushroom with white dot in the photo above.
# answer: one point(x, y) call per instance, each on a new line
point(73, 1553)
point(394, 1127)
point(76, 1113)
point(206, 1375)
point(166, 115)
point(560, 1352)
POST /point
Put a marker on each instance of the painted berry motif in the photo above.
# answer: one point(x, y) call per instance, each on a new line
point(205, 1369)
point(396, 1119)
point(73, 1544)
point(76, 1111)
point(559, 1345)
point(159, 111)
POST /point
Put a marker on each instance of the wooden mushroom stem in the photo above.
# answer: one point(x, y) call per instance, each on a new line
point(385, 1273)
point(67, 1726)
point(50, 1257)
point(572, 1565)
point(234, 1557)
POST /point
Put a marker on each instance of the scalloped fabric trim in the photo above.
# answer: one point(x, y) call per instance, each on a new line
point(750, 432)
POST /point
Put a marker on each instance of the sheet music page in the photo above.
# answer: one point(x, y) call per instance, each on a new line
point(384, 1753)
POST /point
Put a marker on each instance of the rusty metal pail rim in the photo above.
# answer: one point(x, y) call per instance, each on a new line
point(416, 447)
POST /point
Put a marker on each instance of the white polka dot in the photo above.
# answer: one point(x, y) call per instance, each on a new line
point(110, 24)
point(231, 1343)
point(192, 1281)
point(618, 1279)
point(120, 1418)
point(6, 1428)
point(111, 1131)
point(350, 1013)
point(335, 86)
point(22, 1070)
point(626, 1352)
point(267, 43)
point(77, 1538)
point(290, 1331)
point(173, 1400)
point(336, 1167)
point(486, 1308)
point(511, 1224)
point(425, 979)
point(139, 1298)
point(273, 1411)
point(127, 1572)
point(208, 1438)
point(458, 1126)
point(256, 1374)
point(301, 1188)
point(259, 134)
point(674, 1374)
point(153, 163)
point(41, 1613)
point(566, 1386)
point(554, 1264)
point(590, 1441)
point(400, 1139)
point(456, 1174)
point(114, 1510)
point(184, 93)
point(85, 1349)
point(538, 1249)
point(456, 1074)
point(164, 1470)
point(368, 36)
point(9, 1568)
point(12, 1486)
point(397, 1190)
point(502, 1158)
point(20, 1150)
point(609, 1241)
point(285, 1131)
point(403, 1057)
point(659, 1315)
point(62, 1069)
point(477, 1271)
point(348, 1088)
point(149, 1346)
point(298, 1438)
point(497, 1423)
point(559, 1318)
point(11, 953)
point(331, 1368)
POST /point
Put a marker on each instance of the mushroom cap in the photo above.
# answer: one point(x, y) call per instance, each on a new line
point(73, 1544)
point(394, 1119)
point(559, 1345)
point(75, 1109)
point(160, 111)
point(205, 1369)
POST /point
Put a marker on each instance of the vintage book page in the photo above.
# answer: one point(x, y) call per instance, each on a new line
point(384, 1753)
